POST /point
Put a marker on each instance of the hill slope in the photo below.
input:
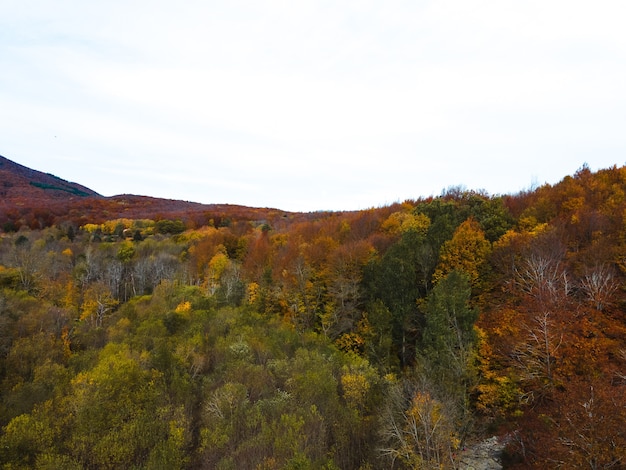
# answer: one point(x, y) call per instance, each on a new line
point(37, 200)
point(20, 182)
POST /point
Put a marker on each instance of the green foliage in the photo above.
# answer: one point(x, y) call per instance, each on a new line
point(23, 440)
point(445, 217)
point(170, 227)
point(447, 354)
point(398, 280)
point(9, 278)
point(449, 211)
point(449, 328)
point(71, 190)
point(126, 253)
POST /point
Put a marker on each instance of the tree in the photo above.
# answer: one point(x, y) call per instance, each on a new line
point(466, 251)
point(121, 413)
point(537, 356)
point(598, 284)
point(544, 278)
point(445, 216)
point(171, 227)
point(400, 222)
point(23, 440)
point(397, 280)
point(592, 433)
point(417, 430)
point(447, 347)
point(97, 303)
point(216, 268)
point(26, 256)
point(449, 330)
point(344, 285)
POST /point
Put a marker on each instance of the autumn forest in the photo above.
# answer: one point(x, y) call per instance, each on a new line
point(143, 334)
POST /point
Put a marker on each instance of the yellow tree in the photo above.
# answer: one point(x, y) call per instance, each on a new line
point(401, 222)
point(216, 268)
point(466, 251)
point(97, 303)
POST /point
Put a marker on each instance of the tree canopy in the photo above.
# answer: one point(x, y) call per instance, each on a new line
point(388, 338)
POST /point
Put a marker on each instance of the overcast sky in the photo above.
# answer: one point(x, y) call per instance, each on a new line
point(312, 105)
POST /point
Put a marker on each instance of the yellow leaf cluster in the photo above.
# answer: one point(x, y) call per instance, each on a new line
point(355, 389)
point(401, 222)
point(183, 307)
point(466, 251)
point(253, 292)
point(218, 264)
point(350, 342)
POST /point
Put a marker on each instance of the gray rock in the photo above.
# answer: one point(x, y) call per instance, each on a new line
point(485, 455)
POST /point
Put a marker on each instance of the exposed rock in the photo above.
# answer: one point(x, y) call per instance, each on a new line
point(486, 455)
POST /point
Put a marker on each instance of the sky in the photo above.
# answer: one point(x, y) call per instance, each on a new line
point(312, 105)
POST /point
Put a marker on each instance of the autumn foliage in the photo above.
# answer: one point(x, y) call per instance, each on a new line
point(143, 333)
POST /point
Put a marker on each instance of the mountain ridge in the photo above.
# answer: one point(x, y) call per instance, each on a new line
point(36, 199)
point(19, 181)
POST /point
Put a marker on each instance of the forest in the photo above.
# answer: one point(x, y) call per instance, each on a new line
point(395, 337)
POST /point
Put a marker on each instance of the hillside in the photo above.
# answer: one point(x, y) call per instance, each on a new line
point(426, 334)
point(19, 183)
point(33, 199)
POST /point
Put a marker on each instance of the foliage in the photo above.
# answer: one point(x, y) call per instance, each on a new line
point(466, 251)
point(139, 335)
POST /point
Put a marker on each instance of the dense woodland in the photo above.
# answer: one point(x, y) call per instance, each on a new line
point(395, 337)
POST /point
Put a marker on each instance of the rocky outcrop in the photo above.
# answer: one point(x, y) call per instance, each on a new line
point(486, 455)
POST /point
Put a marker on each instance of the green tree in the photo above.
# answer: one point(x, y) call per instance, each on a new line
point(449, 329)
point(119, 411)
point(445, 216)
point(447, 351)
point(170, 227)
point(398, 280)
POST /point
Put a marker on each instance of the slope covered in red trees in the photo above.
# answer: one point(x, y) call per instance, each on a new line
point(18, 182)
point(36, 200)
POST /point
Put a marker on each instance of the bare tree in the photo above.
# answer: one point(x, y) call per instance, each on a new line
point(536, 356)
point(231, 283)
point(544, 278)
point(418, 430)
point(98, 302)
point(598, 285)
point(26, 256)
